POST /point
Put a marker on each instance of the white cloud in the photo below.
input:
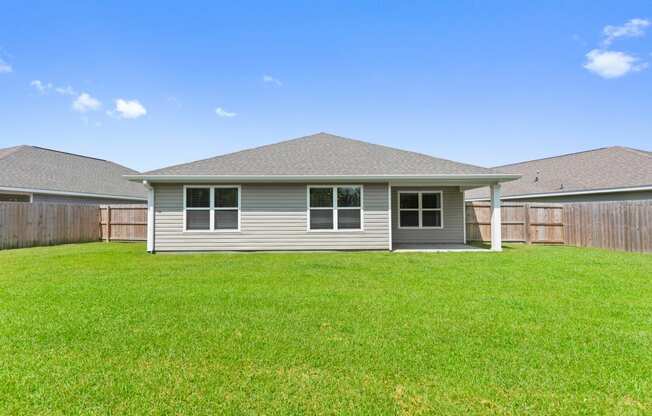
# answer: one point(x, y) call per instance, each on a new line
point(633, 29)
point(44, 88)
point(611, 64)
point(40, 87)
point(130, 109)
point(84, 102)
point(223, 113)
point(65, 90)
point(5, 68)
point(268, 79)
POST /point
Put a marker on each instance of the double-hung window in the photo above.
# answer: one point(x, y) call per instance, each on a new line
point(198, 208)
point(420, 209)
point(335, 208)
point(212, 208)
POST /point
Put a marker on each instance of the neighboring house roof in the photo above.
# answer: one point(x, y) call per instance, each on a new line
point(9, 150)
point(599, 171)
point(320, 155)
point(35, 169)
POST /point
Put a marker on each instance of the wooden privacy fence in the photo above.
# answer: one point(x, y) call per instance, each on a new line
point(611, 225)
point(521, 222)
point(123, 222)
point(625, 225)
point(618, 225)
point(40, 224)
point(27, 225)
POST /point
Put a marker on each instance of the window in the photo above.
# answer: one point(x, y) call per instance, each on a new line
point(15, 198)
point(226, 209)
point(212, 208)
point(335, 208)
point(198, 204)
point(420, 209)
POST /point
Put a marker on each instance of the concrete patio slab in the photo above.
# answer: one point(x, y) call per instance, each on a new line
point(438, 248)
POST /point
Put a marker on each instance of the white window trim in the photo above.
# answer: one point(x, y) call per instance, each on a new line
point(335, 208)
point(211, 208)
point(420, 209)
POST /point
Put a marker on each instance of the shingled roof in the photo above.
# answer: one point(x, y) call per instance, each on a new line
point(324, 155)
point(600, 169)
point(37, 168)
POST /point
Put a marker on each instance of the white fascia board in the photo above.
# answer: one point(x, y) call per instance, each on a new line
point(66, 193)
point(479, 179)
point(571, 193)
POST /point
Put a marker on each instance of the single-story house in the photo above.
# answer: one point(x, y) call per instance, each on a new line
point(607, 174)
point(36, 174)
point(320, 192)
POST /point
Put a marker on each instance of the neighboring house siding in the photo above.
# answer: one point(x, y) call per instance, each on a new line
point(615, 196)
point(453, 218)
point(64, 199)
point(273, 217)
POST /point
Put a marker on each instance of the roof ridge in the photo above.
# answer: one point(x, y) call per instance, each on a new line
point(637, 151)
point(11, 150)
point(556, 156)
point(314, 135)
point(82, 156)
point(234, 153)
point(67, 153)
point(406, 151)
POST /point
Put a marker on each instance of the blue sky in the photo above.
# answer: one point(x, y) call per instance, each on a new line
point(149, 84)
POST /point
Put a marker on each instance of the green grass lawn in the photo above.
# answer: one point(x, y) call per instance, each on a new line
point(106, 328)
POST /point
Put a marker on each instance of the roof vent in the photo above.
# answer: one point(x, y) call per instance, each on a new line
point(536, 178)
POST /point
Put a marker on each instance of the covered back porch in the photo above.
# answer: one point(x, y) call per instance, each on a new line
point(431, 217)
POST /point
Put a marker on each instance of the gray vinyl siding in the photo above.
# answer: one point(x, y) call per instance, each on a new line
point(82, 200)
point(453, 218)
point(273, 217)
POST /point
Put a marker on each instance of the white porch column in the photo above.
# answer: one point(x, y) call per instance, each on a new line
point(150, 217)
point(496, 237)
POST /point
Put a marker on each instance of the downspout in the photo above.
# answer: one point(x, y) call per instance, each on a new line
point(150, 216)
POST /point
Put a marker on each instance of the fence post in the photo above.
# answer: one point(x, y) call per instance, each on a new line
point(526, 218)
point(108, 223)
